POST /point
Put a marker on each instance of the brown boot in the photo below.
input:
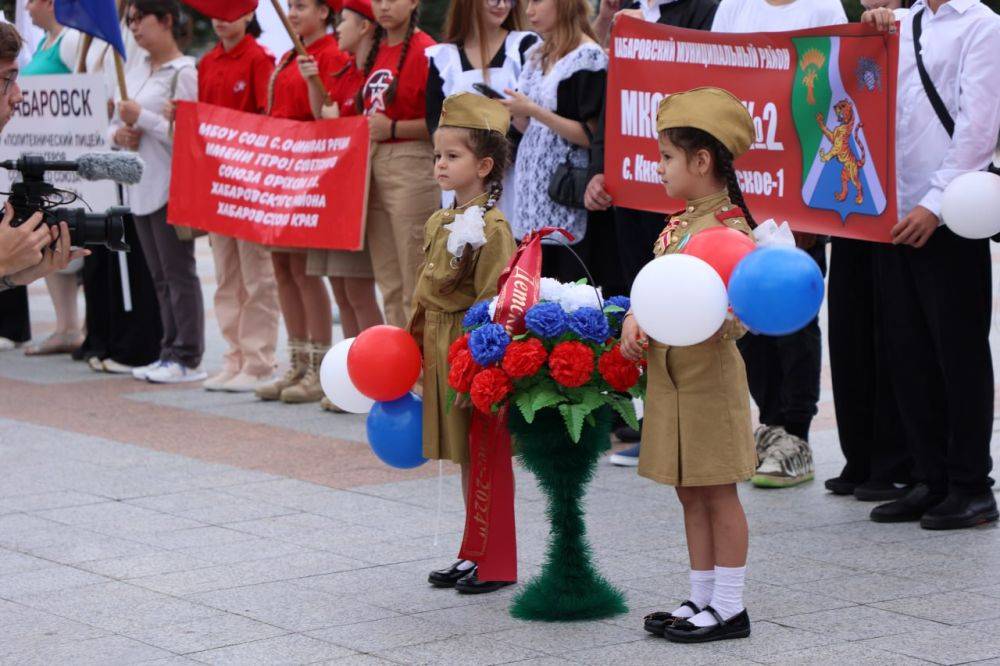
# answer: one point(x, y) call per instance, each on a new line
point(308, 388)
point(272, 391)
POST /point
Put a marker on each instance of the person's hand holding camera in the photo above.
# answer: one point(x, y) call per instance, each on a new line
point(21, 247)
point(35, 257)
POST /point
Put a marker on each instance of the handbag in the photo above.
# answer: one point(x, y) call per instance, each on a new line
point(568, 183)
point(932, 94)
point(183, 233)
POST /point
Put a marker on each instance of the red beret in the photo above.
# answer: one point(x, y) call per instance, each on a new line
point(363, 7)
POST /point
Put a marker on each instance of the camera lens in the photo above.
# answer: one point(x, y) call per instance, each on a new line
point(96, 229)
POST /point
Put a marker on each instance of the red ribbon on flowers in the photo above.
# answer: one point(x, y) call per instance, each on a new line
point(490, 537)
point(518, 286)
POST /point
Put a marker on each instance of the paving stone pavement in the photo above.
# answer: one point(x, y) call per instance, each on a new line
point(166, 525)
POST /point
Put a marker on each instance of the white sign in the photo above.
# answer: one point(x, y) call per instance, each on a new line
point(61, 117)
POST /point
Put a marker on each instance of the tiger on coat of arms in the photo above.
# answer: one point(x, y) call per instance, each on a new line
point(840, 149)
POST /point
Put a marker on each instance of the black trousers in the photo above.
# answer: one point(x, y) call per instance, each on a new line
point(637, 233)
point(868, 424)
point(936, 305)
point(783, 371)
point(131, 338)
point(15, 324)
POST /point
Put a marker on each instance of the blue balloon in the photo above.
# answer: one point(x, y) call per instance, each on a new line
point(396, 432)
point(776, 290)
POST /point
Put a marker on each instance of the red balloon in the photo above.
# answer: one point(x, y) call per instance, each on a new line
point(384, 363)
point(721, 248)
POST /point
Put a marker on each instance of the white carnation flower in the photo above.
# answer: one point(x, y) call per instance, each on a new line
point(551, 290)
point(577, 296)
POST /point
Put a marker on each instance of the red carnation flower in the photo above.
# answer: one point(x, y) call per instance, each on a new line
point(458, 345)
point(571, 363)
point(524, 358)
point(489, 387)
point(462, 370)
point(619, 372)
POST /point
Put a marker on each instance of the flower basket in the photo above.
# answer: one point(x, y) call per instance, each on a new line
point(561, 384)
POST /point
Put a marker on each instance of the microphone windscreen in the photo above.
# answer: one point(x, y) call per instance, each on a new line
point(121, 167)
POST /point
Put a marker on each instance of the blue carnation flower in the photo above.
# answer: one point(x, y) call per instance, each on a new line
point(616, 318)
point(477, 315)
point(488, 344)
point(590, 324)
point(546, 320)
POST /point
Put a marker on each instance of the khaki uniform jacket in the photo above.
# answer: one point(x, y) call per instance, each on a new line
point(697, 429)
point(437, 320)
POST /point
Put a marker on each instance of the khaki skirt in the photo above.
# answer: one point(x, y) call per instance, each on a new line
point(446, 432)
point(697, 429)
point(339, 263)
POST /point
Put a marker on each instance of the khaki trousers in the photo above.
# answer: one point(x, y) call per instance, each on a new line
point(246, 304)
point(402, 196)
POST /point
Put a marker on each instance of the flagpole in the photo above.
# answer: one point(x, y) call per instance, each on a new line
point(85, 45)
point(119, 64)
point(299, 47)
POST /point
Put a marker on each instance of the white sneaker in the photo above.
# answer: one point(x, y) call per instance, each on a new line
point(764, 436)
point(7, 345)
point(245, 383)
point(142, 372)
point(218, 381)
point(172, 372)
point(787, 462)
point(116, 368)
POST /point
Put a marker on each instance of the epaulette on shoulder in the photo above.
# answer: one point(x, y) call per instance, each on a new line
point(729, 213)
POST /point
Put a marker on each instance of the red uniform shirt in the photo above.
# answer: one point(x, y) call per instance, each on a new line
point(236, 79)
point(344, 86)
point(291, 92)
point(411, 92)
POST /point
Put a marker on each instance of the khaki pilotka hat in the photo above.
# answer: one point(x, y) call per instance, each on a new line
point(473, 111)
point(711, 110)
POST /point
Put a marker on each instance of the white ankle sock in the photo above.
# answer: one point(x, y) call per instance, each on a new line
point(465, 565)
point(727, 596)
point(702, 583)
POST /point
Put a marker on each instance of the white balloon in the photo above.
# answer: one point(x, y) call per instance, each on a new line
point(679, 300)
point(337, 384)
point(970, 205)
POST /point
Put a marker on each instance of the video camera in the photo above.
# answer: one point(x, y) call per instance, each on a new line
point(32, 194)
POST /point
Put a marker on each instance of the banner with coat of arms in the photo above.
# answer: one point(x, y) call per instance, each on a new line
point(823, 102)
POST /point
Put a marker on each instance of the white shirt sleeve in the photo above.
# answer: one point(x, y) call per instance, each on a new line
point(978, 122)
point(69, 49)
point(723, 21)
point(152, 121)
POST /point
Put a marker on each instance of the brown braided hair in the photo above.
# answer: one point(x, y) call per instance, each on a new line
point(483, 144)
point(380, 34)
point(691, 140)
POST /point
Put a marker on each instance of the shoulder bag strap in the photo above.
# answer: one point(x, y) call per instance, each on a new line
point(932, 94)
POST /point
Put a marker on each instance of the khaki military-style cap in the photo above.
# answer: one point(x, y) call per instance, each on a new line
point(474, 112)
point(711, 110)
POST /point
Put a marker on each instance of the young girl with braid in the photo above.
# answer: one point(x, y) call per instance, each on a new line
point(697, 434)
point(402, 191)
point(304, 299)
point(466, 247)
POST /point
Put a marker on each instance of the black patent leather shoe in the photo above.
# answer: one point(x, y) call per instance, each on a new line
point(656, 623)
point(959, 511)
point(840, 486)
point(470, 584)
point(683, 631)
point(450, 576)
point(909, 508)
point(879, 491)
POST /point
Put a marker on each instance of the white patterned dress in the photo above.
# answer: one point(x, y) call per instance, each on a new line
point(573, 88)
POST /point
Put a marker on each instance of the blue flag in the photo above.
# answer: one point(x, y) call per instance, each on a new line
point(98, 18)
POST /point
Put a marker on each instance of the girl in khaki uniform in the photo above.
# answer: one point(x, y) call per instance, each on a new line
point(697, 434)
point(471, 152)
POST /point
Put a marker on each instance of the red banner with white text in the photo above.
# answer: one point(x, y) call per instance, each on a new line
point(823, 103)
point(276, 182)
